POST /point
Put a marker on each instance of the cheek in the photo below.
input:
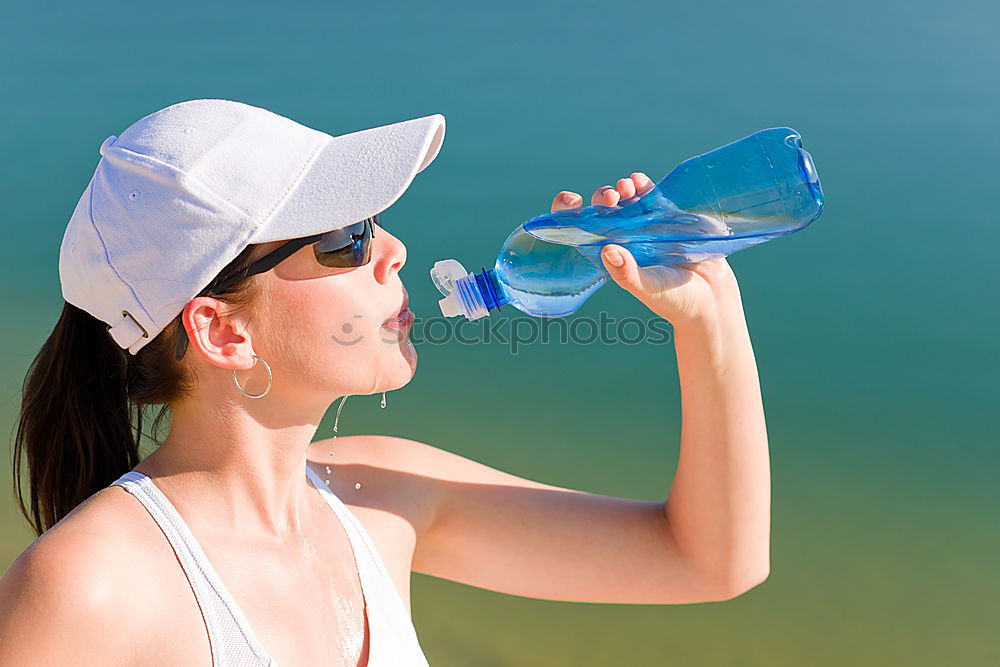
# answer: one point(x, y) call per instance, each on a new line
point(327, 334)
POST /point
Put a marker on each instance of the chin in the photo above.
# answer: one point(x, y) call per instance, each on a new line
point(408, 357)
point(399, 367)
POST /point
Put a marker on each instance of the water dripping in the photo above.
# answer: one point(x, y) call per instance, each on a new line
point(357, 485)
point(382, 404)
point(337, 418)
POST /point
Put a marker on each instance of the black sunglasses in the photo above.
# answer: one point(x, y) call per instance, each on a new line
point(344, 248)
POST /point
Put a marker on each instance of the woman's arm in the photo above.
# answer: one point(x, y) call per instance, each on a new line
point(718, 508)
point(709, 541)
point(719, 503)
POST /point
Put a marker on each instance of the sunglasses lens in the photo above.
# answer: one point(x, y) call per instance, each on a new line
point(346, 247)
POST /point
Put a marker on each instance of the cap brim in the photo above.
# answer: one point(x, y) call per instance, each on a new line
point(355, 176)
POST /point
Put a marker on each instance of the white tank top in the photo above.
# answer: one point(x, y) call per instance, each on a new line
point(392, 637)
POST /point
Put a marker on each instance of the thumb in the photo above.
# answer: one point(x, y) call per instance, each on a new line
point(622, 266)
point(638, 281)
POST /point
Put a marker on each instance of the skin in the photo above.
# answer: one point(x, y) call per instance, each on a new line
point(234, 468)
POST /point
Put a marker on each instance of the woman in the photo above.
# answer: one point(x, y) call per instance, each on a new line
point(216, 237)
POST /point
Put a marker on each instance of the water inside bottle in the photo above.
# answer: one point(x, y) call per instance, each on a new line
point(551, 271)
point(546, 279)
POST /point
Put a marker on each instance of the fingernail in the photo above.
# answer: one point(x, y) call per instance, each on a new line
point(616, 258)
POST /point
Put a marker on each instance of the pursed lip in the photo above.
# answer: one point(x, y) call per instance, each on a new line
point(403, 320)
point(403, 316)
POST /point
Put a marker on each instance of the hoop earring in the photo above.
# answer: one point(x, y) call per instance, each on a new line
point(269, 378)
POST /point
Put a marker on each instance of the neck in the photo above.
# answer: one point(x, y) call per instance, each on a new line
point(239, 462)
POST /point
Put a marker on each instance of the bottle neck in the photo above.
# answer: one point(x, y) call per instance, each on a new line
point(489, 287)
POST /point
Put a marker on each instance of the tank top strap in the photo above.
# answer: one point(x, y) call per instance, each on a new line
point(365, 550)
point(230, 637)
point(394, 638)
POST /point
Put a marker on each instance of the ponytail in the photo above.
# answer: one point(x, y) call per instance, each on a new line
point(83, 402)
point(75, 430)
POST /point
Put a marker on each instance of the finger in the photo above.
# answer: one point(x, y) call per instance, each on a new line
point(566, 200)
point(643, 183)
point(625, 187)
point(622, 266)
point(638, 281)
point(605, 196)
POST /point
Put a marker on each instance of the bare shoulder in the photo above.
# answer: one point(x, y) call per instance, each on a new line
point(412, 475)
point(404, 455)
point(78, 586)
point(389, 469)
point(419, 461)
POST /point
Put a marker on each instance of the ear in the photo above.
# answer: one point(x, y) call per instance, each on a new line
point(218, 335)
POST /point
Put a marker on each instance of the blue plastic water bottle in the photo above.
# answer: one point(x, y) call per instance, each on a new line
point(744, 193)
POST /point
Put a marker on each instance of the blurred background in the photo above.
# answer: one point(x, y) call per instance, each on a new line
point(875, 329)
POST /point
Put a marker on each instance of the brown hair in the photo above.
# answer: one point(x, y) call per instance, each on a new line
point(83, 404)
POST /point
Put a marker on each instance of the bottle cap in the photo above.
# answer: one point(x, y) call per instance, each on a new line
point(459, 287)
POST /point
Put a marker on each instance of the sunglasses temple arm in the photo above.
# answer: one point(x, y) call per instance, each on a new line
point(265, 263)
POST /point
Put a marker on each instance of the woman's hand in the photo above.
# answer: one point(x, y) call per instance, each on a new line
point(680, 293)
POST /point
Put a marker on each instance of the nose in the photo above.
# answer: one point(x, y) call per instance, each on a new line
point(391, 255)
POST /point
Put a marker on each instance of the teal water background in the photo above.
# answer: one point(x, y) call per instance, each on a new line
point(875, 329)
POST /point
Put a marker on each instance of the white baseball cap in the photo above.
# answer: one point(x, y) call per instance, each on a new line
point(183, 191)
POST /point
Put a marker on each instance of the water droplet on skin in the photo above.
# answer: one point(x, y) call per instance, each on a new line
point(328, 482)
point(358, 485)
point(382, 404)
point(328, 471)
